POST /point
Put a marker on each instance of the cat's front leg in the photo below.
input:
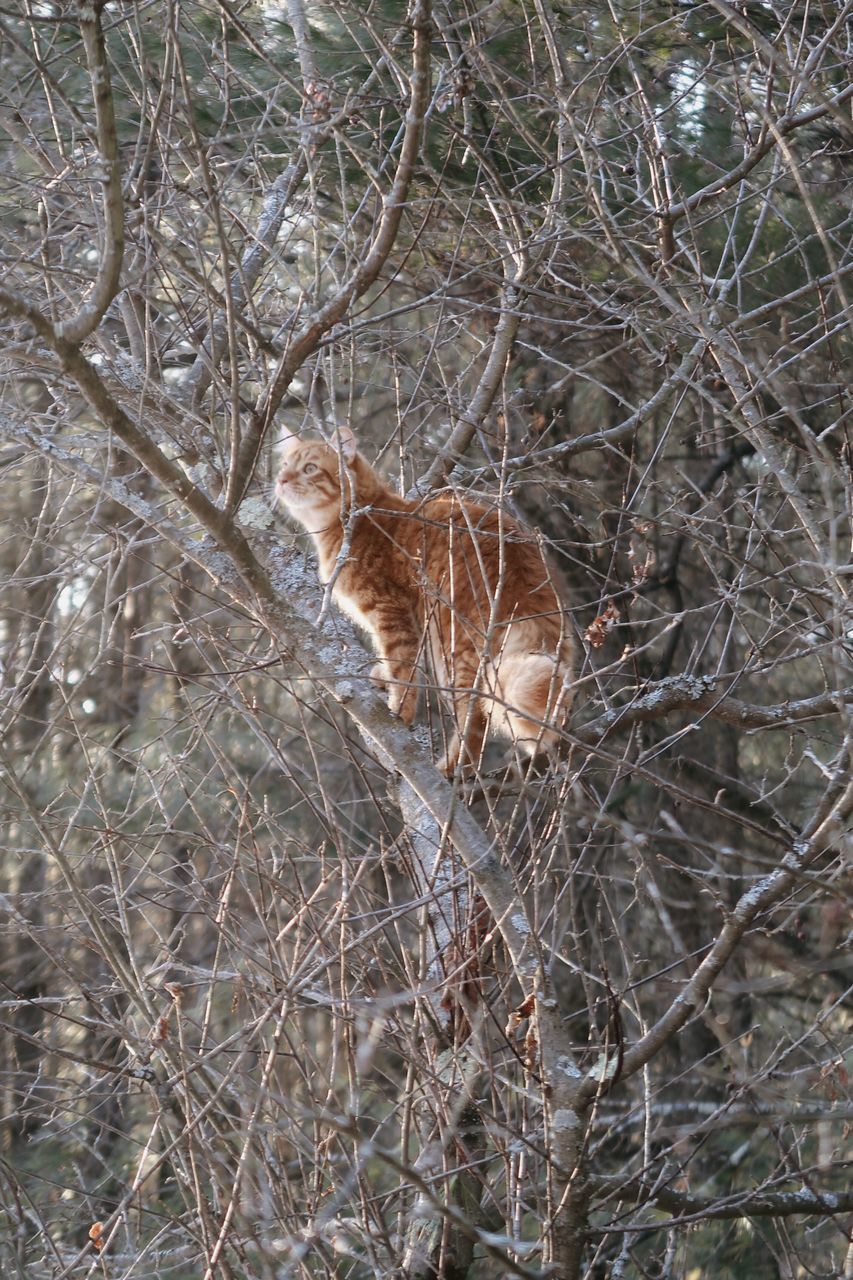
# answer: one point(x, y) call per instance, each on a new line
point(398, 645)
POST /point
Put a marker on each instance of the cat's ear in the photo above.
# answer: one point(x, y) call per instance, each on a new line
point(346, 443)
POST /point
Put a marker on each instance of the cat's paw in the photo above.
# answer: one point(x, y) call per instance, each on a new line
point(402, 702)
point(378, 676)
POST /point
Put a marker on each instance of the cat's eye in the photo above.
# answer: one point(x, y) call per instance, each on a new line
point(309, 469)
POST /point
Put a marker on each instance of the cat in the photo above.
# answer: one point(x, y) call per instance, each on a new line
point(442, 585)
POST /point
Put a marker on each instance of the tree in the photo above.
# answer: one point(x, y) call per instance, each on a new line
point(278, 999)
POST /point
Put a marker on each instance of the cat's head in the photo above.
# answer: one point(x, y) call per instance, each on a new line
point(309, 472)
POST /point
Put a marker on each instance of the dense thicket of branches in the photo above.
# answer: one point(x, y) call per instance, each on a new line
point(276, 999)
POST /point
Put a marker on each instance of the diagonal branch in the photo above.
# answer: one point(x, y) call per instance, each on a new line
point(487, 388)
point(823, 827)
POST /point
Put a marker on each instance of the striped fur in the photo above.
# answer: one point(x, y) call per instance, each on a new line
point(447, 590)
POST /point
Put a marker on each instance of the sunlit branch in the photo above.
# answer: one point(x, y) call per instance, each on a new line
point(704, 695)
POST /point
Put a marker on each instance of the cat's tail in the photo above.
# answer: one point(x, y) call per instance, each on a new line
point(531, 696)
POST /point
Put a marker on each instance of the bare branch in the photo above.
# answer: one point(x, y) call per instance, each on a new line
point(751, 905)
point(306, 341)
point(744, 1204)
point(703, 695)
point(106, 285)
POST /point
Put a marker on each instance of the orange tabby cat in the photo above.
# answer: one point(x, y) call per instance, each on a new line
point(440, 584)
